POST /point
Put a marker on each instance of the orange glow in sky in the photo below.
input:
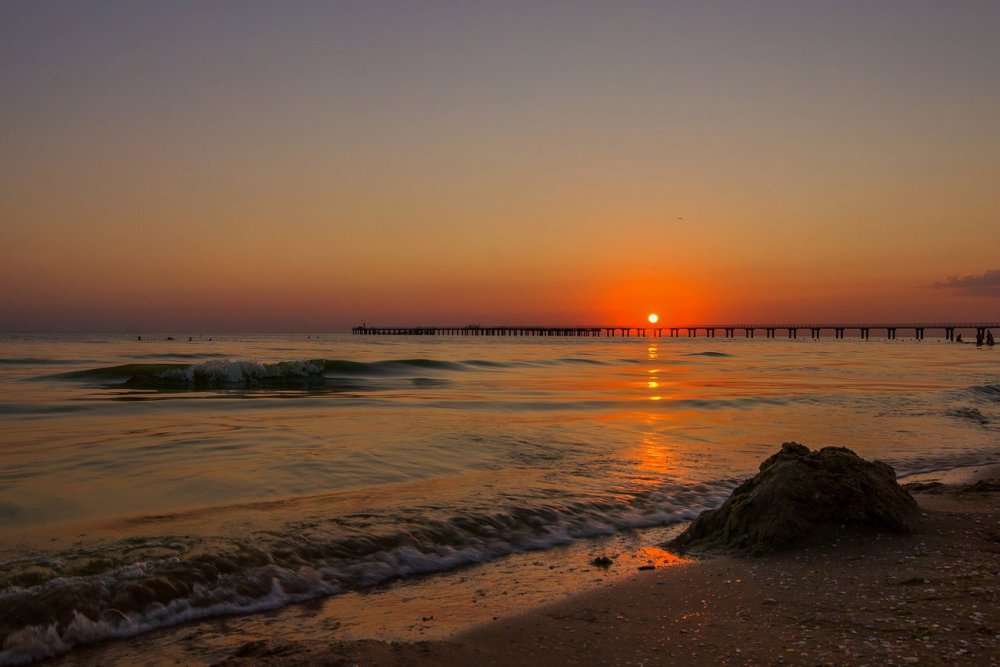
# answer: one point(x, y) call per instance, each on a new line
point(309, 166)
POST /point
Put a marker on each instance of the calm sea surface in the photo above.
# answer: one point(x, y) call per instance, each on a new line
point(144, 483)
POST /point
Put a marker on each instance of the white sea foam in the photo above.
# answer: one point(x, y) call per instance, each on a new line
point(435, 546)
point(217, 372)
point(44, 641)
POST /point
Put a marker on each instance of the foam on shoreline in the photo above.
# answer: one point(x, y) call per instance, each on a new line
point(435, 607)
point(847, 602)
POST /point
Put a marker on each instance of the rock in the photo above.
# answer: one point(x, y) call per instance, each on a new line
point(802, 497)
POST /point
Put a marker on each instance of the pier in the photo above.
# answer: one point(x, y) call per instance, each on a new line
point(838, 331)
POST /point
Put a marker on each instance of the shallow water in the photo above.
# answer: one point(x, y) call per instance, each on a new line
point(143, 483)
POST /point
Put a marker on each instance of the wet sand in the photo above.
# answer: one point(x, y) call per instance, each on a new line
point(929, 598)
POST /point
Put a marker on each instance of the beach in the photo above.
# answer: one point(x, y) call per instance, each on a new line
point(295, 498)
point(931, 597)
point(928, 598)
point(412, 333)
point(420, 333)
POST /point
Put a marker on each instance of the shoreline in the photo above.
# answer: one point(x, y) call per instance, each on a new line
point(931, 597)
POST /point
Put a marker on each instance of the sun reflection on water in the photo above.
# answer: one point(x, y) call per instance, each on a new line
point(652, 457)
point(652, 353)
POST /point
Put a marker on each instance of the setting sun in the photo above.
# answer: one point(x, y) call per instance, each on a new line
point(653, 318)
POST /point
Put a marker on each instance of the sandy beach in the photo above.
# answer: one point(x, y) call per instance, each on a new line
point(928, 598)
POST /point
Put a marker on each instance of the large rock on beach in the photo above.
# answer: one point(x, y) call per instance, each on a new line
point(802, 497)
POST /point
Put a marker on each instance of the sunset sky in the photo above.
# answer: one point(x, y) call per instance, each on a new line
point(304, 166)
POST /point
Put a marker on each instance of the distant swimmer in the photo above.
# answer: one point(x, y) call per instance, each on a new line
point(958, 338)
point(979, 339)
point(139, 338)
point(989, 338)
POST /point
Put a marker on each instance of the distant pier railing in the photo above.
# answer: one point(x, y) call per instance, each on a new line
point(692, 331)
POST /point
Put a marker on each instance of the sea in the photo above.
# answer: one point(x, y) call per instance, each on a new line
point(147, 483)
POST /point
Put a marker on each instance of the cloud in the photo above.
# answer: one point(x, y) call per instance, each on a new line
point(983, 284)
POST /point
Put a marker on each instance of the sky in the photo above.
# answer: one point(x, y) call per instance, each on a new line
point(306, 166)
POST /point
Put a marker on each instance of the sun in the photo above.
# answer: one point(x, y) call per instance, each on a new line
point(653, 318)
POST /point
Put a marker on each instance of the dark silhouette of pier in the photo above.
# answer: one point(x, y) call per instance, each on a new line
point(692, 331)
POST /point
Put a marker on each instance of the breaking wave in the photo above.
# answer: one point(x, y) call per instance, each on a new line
point(310, 374)
point(225, 373)
point(49, 605)
point(916, 465)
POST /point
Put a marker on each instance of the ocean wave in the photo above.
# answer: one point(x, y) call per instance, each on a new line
point(209, 374)
point(389, 367)
point(971, 414)
point(49, 605)
point(119, 373)
point(226, 373)
point(313, 373)
point(429, 382)
point(951, 461)
point(39, 409)
point(32, 361)
point(707, 354)
point(988, 391)
point(486, 363)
